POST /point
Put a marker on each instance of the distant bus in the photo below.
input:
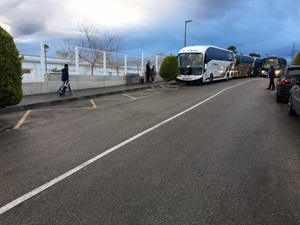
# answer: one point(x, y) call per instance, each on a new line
point(243, 65)
point(256, 68)
point(277, 62)
point(200, 64)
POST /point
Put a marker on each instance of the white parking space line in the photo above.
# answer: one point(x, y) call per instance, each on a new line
point(45, 186)
point(65, 109)
point(154, 90)
point(93, 103)
point(21, 121)
point(129, 96)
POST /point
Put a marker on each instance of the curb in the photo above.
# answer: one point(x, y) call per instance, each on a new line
point(18, 108)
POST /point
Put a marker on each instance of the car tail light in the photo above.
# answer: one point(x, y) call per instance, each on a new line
point(286, 81)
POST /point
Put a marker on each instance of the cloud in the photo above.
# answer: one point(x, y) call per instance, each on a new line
point(26, 18)
point(211, 10)
point(158, 25)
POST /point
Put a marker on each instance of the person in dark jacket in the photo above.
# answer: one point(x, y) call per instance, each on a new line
point(65, 77)
point(272, 77)
point(148, 72)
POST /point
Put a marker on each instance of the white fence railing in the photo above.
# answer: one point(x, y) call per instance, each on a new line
point(86, 62)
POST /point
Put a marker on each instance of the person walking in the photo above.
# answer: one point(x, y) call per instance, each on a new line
point(65, 77)
point(153, 73)
point(148, 72)
point(272, 77)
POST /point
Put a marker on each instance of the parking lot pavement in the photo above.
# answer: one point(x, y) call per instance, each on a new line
point(41, 100)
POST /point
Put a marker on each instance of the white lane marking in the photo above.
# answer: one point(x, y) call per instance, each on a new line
point(38, 190)
point(21, 121)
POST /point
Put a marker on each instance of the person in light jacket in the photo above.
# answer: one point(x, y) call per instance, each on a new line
point(153, 73)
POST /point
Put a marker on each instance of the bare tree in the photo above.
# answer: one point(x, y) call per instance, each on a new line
point(114, 61)
point(92, 43)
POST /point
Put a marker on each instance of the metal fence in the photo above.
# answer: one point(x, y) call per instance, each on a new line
point(96, 62)
point(84, 61)
point(155, 60)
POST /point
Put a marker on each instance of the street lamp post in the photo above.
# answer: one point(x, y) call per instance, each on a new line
point(46, 49)
point(239, 72)
point(187, 21)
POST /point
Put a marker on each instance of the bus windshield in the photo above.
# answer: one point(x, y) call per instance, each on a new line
point(194, 60)
point(267, 63)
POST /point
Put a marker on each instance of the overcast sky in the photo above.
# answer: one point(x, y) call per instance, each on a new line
point(157, 26)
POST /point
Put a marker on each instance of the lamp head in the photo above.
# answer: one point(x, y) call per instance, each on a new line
point(46, 48)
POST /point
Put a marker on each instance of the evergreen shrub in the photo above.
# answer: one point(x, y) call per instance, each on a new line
point(10, 71)
point(296, 60)
point(169, 68)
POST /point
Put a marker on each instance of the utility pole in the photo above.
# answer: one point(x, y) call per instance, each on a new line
point(293, 52)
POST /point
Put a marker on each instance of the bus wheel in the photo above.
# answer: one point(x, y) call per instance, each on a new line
point(211, 79)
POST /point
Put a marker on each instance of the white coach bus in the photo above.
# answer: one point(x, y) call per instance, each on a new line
point(199, 64)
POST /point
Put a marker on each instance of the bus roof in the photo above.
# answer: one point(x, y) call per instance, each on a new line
point(273, 57)
point(199, 48)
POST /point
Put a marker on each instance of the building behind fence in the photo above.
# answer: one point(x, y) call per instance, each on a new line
point(84, 62)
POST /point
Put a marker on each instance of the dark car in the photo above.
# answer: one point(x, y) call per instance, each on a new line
point(286, 82)
point(294, 100)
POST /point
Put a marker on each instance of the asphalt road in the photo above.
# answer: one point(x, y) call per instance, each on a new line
point(224, 153)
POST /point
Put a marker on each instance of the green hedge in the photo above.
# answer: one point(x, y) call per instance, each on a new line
point(10, 71)
point(169, 68)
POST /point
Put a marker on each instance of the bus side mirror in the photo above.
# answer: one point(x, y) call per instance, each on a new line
point(205, 66)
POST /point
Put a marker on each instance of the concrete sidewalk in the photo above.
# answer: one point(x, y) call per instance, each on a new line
point(41, 100)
